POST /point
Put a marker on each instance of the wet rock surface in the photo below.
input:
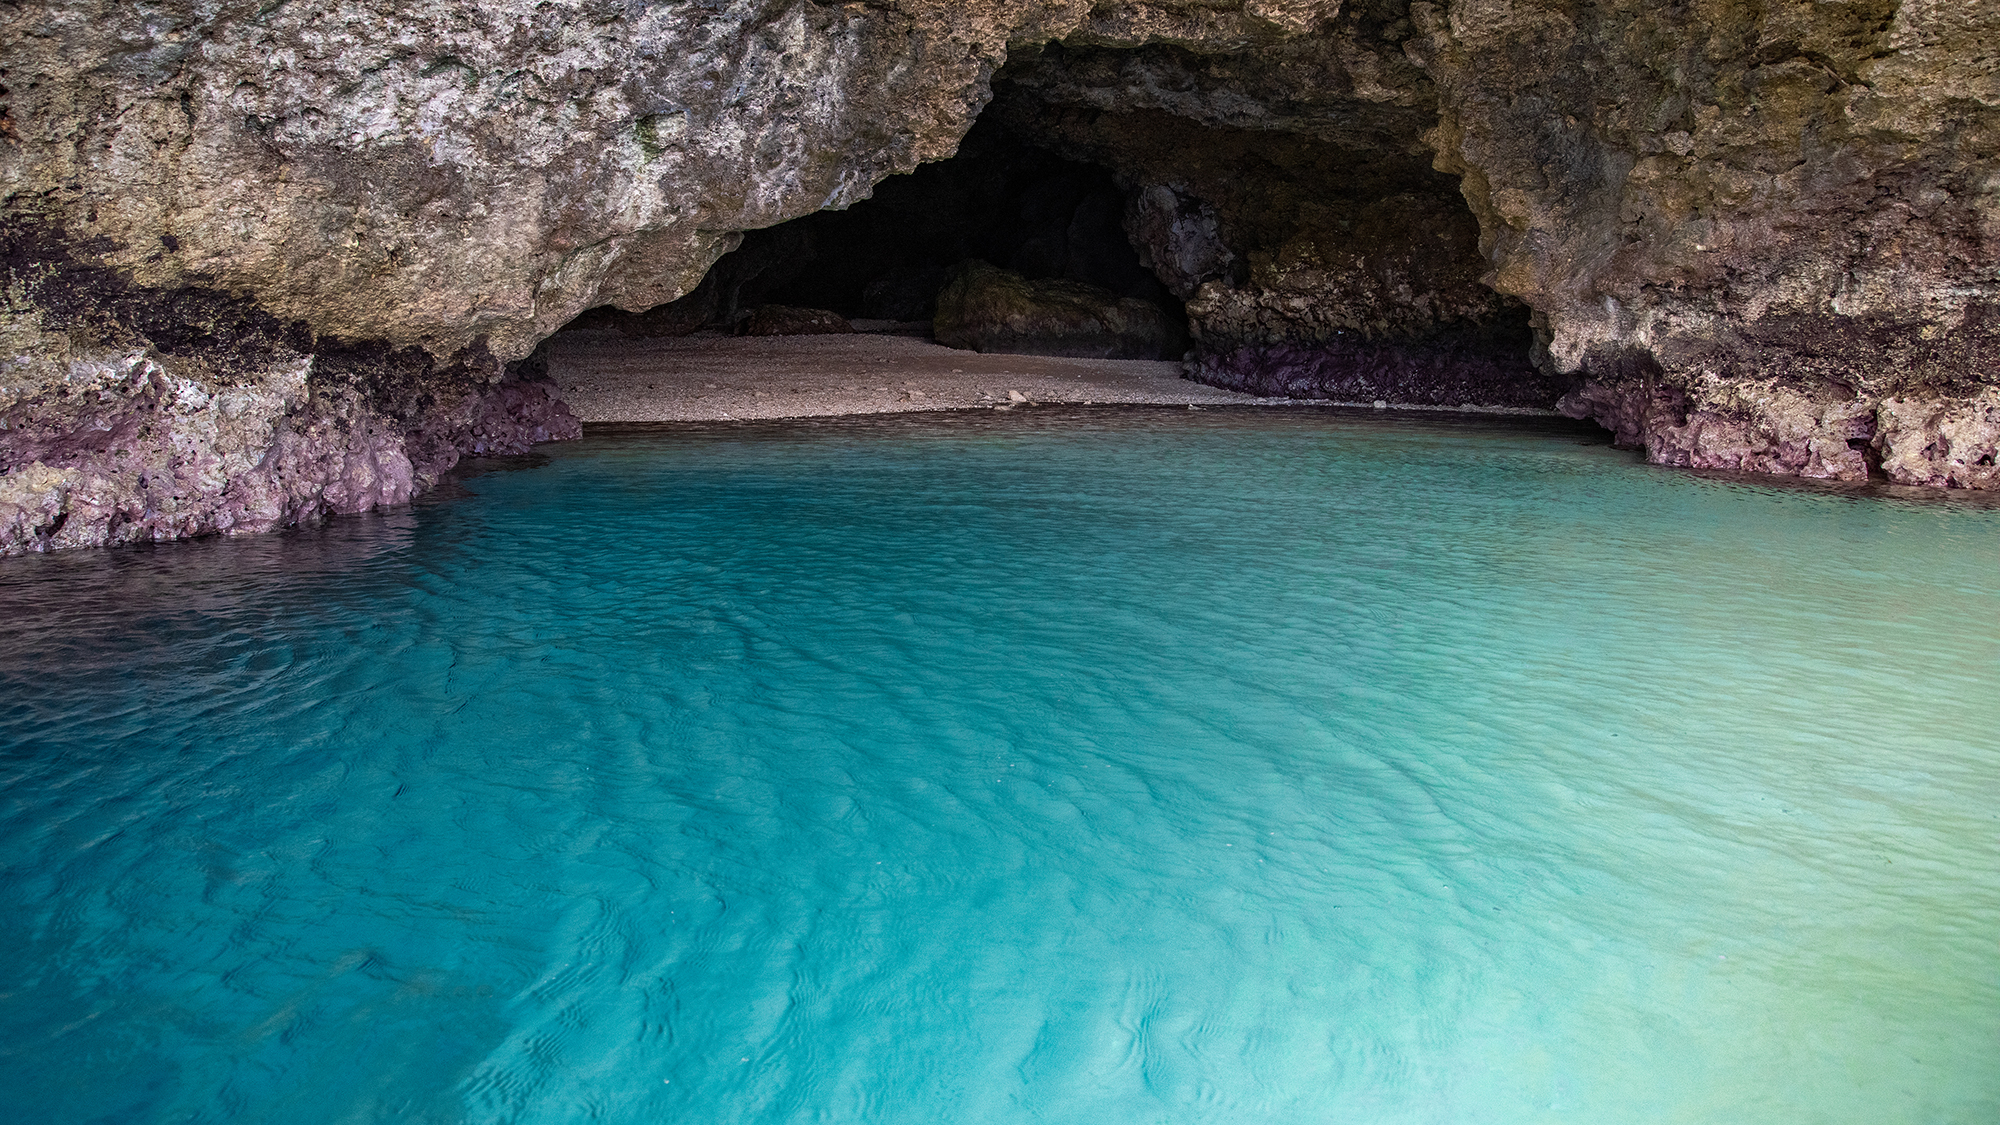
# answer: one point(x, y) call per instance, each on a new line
point(1770, 426)
point(1434, 373)
point(148, 456)
point(297, 247)
point(194, 413)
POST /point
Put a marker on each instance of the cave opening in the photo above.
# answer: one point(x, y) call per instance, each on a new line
point(1251, 215)
point(1031, 215)
point(1000, 200)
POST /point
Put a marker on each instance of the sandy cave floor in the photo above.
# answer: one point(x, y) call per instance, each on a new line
point(609, 377)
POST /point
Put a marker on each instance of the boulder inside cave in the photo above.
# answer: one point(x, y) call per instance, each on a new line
point(1301, 254)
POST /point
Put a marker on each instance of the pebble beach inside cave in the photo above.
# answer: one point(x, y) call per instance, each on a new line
point(1056, 765)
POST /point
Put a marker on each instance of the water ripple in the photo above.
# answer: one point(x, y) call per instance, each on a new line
point(1074, 767)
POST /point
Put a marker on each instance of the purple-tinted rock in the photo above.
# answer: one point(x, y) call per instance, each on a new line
point(1769, 427)
point(1434, 373)
point(139, 455)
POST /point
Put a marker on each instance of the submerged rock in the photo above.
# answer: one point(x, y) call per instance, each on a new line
point(988, 309)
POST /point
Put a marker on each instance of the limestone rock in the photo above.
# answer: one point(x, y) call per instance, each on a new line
point(988, 309)
point(129, 452)
point(1952, 443)
point(1319, 253)
point(434, 172)
point(1768, 427)
point(1758, 234)
point(125, 417)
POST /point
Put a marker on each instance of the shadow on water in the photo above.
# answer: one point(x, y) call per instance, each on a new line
point(101, 607)
point(69, 595)
point(1110, 418)
point(85, 606)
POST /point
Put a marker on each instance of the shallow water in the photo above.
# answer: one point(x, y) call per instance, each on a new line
point(1103, 768)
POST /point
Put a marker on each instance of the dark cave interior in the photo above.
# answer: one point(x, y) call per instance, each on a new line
point(998, 200)
point(1312, 251)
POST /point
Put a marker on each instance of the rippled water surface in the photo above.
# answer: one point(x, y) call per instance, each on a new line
point(1142, 767)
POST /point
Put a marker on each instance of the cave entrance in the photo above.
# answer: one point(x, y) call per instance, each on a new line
point(1042, 227)
point(1289, 234)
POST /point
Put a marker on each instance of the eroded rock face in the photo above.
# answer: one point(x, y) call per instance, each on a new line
point(999, 199)
point(440, 180)
point(1285, 195)
point(198, 413)
point(1757, 232)
point(133, 453)
point(1745, 234)
point(393, 202)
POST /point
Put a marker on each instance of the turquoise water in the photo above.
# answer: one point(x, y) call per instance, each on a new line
point(1129, 767)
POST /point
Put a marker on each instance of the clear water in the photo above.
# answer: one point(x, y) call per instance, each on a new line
point(1102, 768)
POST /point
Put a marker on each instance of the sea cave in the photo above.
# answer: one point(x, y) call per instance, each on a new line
point(1205, 561)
